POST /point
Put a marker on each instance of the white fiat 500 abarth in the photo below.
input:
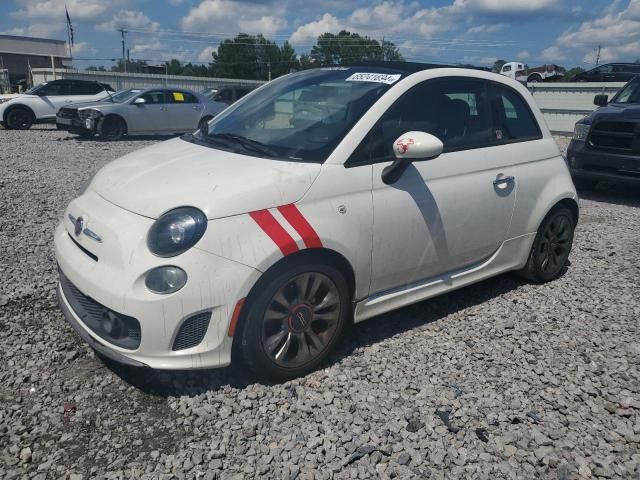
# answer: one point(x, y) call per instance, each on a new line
point(324, 197)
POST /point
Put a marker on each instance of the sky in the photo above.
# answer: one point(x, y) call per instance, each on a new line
point(565, 32)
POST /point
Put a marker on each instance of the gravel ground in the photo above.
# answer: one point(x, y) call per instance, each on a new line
point(499, 380)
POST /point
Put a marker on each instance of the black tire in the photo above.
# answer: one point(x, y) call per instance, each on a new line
point(19, 118)
point(112, 128)
point(203, 123)
point(258, 331)
point(551, 247)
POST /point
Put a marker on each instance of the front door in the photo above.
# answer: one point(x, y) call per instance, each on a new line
point(444, 214)
point(184, 111)
point(150, 117)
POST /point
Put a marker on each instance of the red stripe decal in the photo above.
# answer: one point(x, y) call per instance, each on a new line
point(275, 231)
point(305, 230)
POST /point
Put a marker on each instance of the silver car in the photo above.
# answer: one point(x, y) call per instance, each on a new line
point(152, 111)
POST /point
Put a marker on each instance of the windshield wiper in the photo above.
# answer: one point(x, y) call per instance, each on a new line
point(245, 142)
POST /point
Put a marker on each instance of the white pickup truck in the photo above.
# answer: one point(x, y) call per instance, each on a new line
point(522, 72)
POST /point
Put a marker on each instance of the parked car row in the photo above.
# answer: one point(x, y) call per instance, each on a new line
point(91, 108)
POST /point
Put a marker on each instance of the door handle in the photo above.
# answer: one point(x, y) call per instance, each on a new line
point(196, 107)
point(502, 180)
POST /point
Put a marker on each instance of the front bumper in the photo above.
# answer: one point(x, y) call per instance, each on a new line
point(586, 163)
point(111, 273)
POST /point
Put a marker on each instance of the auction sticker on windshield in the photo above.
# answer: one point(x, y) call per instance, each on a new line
point(374, 77)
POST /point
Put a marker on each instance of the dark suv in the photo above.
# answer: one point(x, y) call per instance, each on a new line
point(611, 72)
point(606, 143)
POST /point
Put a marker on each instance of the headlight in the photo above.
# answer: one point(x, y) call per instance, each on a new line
point(176, 231)
point(580, 131)
point(84, 114)
point(166, 280)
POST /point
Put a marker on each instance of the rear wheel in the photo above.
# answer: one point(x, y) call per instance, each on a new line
point(294, 321)
point(552, 246)
point(112, 128)
point(20, 118)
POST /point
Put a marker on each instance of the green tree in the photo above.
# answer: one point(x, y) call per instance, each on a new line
point(253, 57)
point(497, 66)
point(346, 48)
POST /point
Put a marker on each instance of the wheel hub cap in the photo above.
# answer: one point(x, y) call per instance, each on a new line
point(300, 318)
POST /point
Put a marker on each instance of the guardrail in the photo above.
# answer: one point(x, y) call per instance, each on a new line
point(122, 81)
point(563, 104)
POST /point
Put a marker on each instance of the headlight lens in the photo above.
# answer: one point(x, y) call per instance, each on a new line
point(580, 131)
point(84, 114)
point(165, 280)
point(176, 231)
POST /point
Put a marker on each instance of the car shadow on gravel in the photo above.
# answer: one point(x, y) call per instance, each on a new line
point(376, 330)
point(628, 195)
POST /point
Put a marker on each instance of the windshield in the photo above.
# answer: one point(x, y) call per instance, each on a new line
point(630, 93)
point(34, 90)
point(125, 95)
point(302, 116)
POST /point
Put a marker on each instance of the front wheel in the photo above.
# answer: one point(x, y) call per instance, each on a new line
point(20, 118)
point(551, 247)
point(112, 128)
point(294, 321)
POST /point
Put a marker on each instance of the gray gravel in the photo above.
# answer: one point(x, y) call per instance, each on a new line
point(499, 380)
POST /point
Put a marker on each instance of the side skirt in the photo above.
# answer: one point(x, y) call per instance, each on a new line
point(511, 255)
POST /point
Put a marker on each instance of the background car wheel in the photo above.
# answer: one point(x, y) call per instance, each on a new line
point(294, 320)
point(552, 246)
point(204, 123)
point(20, 118)
point(112, 128)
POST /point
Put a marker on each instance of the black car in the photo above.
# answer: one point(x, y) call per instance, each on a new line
point(606, 143)
point(610, 72)
point(227, 94)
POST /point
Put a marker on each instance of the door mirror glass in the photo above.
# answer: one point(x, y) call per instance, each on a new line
point(601, 100)
point(139, 101)
point(417, 146)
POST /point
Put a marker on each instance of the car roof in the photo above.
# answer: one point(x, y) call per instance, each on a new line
point(413, 67)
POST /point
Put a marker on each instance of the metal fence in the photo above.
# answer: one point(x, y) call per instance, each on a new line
point(563, 104)
point(122, 81)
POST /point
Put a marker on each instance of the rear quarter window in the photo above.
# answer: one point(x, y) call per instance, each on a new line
point(514, 120)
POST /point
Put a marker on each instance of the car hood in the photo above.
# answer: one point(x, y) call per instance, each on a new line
point(177, 173)
point(625, 110)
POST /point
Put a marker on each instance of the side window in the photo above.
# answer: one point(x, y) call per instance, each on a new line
point(182, 97)
point(512, 116)
point(241, 92)
point(155, 97)
point(507, 68)
point(456, 110)
point(55, 88)
point(84, 88)
point(224, 95)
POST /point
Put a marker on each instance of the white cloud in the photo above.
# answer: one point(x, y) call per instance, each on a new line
point(486, 28)
point(128, 19)
point(311, 30)
point(617, 30)
point(39, 30)
point(506, 7)
point(88, 10)
point(523, 55)
point(206, 55)
point(232, 17)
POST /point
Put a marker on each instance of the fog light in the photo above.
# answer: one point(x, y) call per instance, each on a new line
point(166, 279)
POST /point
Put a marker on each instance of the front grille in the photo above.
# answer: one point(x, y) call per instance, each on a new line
point(613, 136)
point(111, 326)
point(192, 331)
point(68, 113)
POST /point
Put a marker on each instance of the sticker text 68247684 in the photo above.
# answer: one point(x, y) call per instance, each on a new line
point(387, 78)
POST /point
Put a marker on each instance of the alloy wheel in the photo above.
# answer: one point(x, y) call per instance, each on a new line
point(301, 319)
point(555, 244)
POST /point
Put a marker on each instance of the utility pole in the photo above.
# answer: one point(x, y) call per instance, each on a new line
point(598, 55)
point(124, 48)
point(269, 67)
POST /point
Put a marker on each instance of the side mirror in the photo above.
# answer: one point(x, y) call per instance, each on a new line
point(139, 101)
point(601, 100)
point(412, 146)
